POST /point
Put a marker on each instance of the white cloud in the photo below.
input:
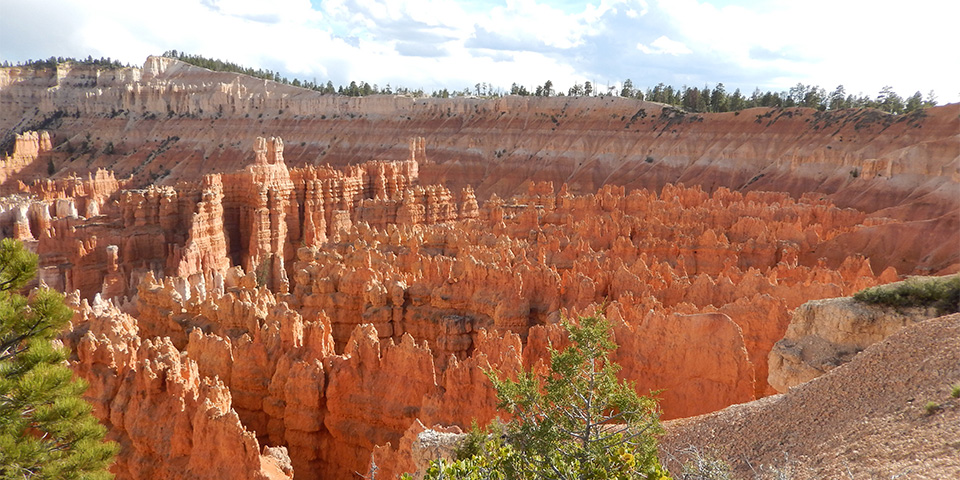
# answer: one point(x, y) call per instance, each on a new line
point(663, 45)
point(455, 43)
point(861, 45)
point(637, 8)
point(531, 22)
point(275, 11)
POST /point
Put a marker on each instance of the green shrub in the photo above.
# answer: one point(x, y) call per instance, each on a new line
point(955, 391)
point(576, 422)
point(476, 440)
point(931, 407)
point(940, 293)
point(700, 465)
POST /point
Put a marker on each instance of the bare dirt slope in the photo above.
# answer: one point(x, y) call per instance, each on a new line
point(865, 419)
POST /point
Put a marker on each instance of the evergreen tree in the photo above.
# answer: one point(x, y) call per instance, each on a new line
point(737, 102)
point(691, 97)
point(519, 90)
point(658, 93)
point(578, 422)
point(718, 100)
point(703, 101)
point(815, 97)
point(46, 428)
point(771, 99)
point(915, 102)
point(796, 95)
point(547, 89)
point(889, 101)
point(837, 98)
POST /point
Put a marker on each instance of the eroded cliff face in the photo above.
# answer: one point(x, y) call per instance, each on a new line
point(302, 305)
point(169, 419)
point(330, 311)
point(824, 334)
point(171, 121)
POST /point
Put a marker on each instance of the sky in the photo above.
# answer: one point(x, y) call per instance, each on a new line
point(455, 44)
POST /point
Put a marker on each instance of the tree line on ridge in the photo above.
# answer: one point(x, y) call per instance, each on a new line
point(692, 99)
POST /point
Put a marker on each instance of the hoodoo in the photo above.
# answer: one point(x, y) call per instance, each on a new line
point(269, 282)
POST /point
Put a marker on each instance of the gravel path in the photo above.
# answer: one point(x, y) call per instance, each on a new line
point(864, 420)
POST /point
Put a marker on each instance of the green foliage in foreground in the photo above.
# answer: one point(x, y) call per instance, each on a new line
point(577, 422)
point(940, 293)
point(46, 429)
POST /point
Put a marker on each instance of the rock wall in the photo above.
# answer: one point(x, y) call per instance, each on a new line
point(824, 334)
point(25, 156)
point(327, 295)
point(95, 234)
point(170, 421)
point(396, 297)
point(172, 121)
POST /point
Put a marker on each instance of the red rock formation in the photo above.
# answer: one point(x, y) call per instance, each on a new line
point(267, 299)
point(699, 361)
point(206, 247)
point(27, 149)
point(159, 119)
point(169, 421)
point(88, 194)
point(373, 396)
point(419, 308)
point(260, 195)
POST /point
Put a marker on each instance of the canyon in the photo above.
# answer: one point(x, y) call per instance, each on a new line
point(273, 283)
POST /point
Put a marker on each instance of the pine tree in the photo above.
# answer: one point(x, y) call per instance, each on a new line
point(46, 428)
point(577, 422)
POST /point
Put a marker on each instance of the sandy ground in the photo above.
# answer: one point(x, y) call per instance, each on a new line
point(868, 419)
